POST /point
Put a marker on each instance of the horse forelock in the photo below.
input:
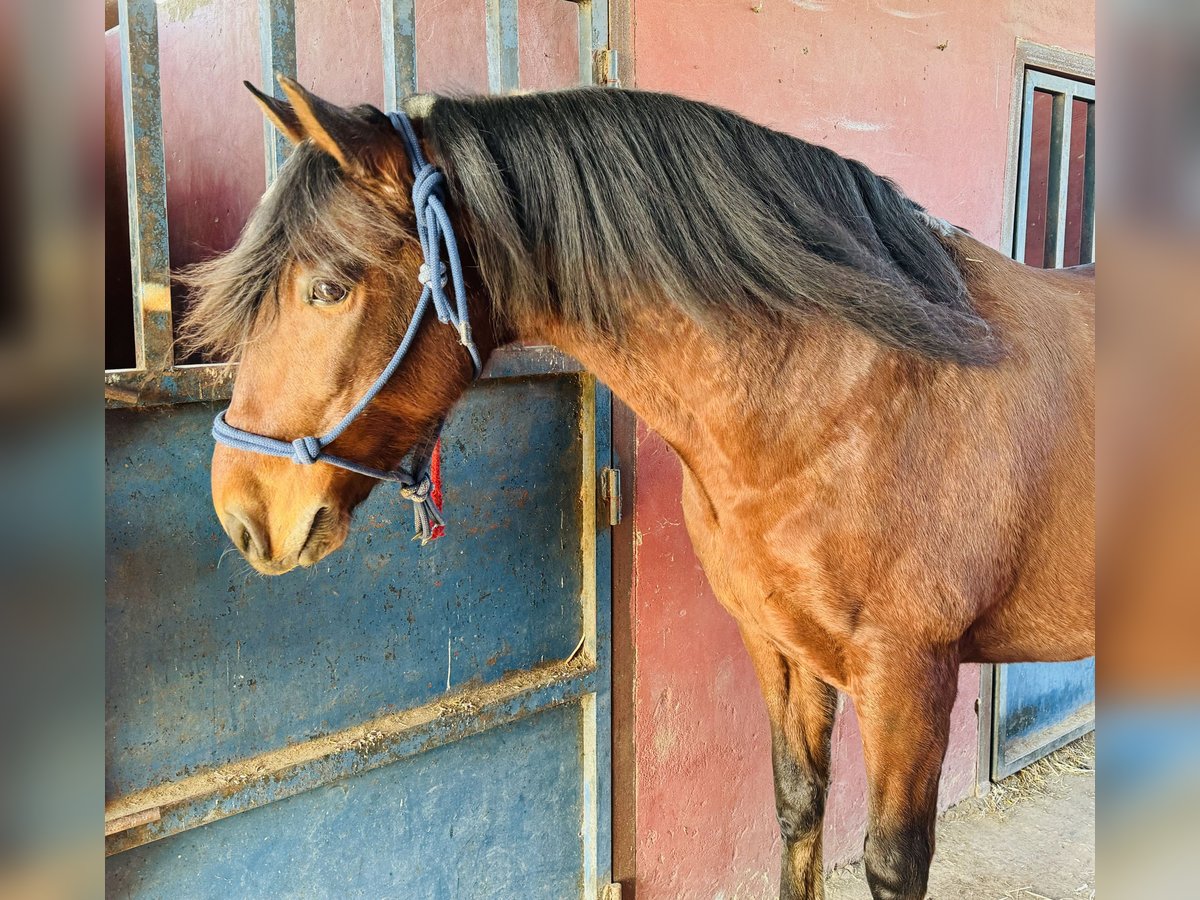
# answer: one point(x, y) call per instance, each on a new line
point(311, 214)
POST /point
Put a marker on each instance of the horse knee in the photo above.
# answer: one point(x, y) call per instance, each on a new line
point(897, 862)
point(800, 807)
point(800, 787)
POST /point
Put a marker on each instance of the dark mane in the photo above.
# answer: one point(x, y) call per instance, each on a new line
point(582, 198)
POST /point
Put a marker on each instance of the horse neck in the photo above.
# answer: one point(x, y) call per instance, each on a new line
point(735, 404)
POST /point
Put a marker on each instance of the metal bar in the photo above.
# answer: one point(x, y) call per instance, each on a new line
point(213, 382)
point(1087, 235)
point(1022, 216)
point(602, 57)
point(1007, 765)
point(1060, 180)
point(999, 717)
point(502, 46)
point(399, 51)
point(250, 783)
point(1056, 84)
point(586, 42)
point(133, 820)
point(985, 716)
point(595, 423)
point(146, 178)
point(601, 707)
point(277, 52)
point(528, 361)
point(591, 825)
point(182, 384)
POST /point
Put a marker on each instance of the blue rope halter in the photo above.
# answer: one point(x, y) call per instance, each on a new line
point(434, 229)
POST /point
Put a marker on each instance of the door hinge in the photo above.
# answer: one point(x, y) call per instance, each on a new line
point(604, 68)
point(611, 891)
point(610, 493)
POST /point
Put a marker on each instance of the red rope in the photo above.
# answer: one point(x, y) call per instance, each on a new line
point(435, 486)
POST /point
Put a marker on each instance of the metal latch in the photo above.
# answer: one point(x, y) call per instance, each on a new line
point(610, 493)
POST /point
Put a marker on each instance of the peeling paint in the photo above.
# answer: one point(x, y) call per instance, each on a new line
point(911, 13)
point(181, 10)
point(857, 125)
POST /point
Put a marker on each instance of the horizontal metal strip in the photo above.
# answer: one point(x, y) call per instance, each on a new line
point(1056, 84)
point(226, 790)
point(193, 384)
point(182, 384)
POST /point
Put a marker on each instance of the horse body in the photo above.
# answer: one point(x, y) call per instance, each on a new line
point(836, 490)
point(886, 428)
point(871, 520)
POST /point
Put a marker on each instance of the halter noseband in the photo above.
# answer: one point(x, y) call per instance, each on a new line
point(434, 229)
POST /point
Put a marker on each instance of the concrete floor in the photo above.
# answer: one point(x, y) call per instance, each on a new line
point(1032, 839)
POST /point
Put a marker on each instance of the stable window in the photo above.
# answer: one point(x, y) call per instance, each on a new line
point(1056, 174)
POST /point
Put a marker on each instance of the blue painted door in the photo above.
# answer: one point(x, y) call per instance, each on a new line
point(397, 721)
point(1038, 708)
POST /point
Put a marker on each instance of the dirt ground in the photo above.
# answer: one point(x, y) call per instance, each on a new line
point(1032, 838)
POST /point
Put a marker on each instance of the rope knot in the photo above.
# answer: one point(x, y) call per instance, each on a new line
point(425, 275)
point(306, 450)
point(427, 181)
point(418, 492)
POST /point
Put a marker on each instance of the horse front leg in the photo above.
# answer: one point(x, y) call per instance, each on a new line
point(903, 698)
point(801, 709)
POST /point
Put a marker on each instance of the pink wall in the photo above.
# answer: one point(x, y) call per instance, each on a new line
point(920, 91)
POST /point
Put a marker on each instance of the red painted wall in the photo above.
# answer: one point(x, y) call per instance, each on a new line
point(919, 90)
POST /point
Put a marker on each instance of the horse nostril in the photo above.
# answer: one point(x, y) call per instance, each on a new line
point(244, 535)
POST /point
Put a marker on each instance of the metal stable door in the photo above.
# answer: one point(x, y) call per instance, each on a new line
point(397, 721)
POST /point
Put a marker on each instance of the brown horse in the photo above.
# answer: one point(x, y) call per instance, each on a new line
point(886, 427)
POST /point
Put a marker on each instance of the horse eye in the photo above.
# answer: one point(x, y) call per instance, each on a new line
point(326, 293)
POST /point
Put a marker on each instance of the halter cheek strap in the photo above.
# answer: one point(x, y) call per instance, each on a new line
point(435, 232)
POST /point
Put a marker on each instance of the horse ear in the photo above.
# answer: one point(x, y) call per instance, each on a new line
point(348, 137)
point(280, 113)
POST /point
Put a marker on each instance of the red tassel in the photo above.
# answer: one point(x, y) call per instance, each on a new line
point(435, 486)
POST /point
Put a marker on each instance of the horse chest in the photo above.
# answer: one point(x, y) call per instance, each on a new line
point(789, 602)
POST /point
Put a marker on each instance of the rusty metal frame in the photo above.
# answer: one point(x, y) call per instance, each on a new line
point(146, 176)
point(399, 24)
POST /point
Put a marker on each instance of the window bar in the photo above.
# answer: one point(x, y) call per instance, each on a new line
point(145, 173)
point(277, 51)
point(1087, 235)
point(1019, 232)
point(1060, 179)
point(399, 51)
point(502, 47)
